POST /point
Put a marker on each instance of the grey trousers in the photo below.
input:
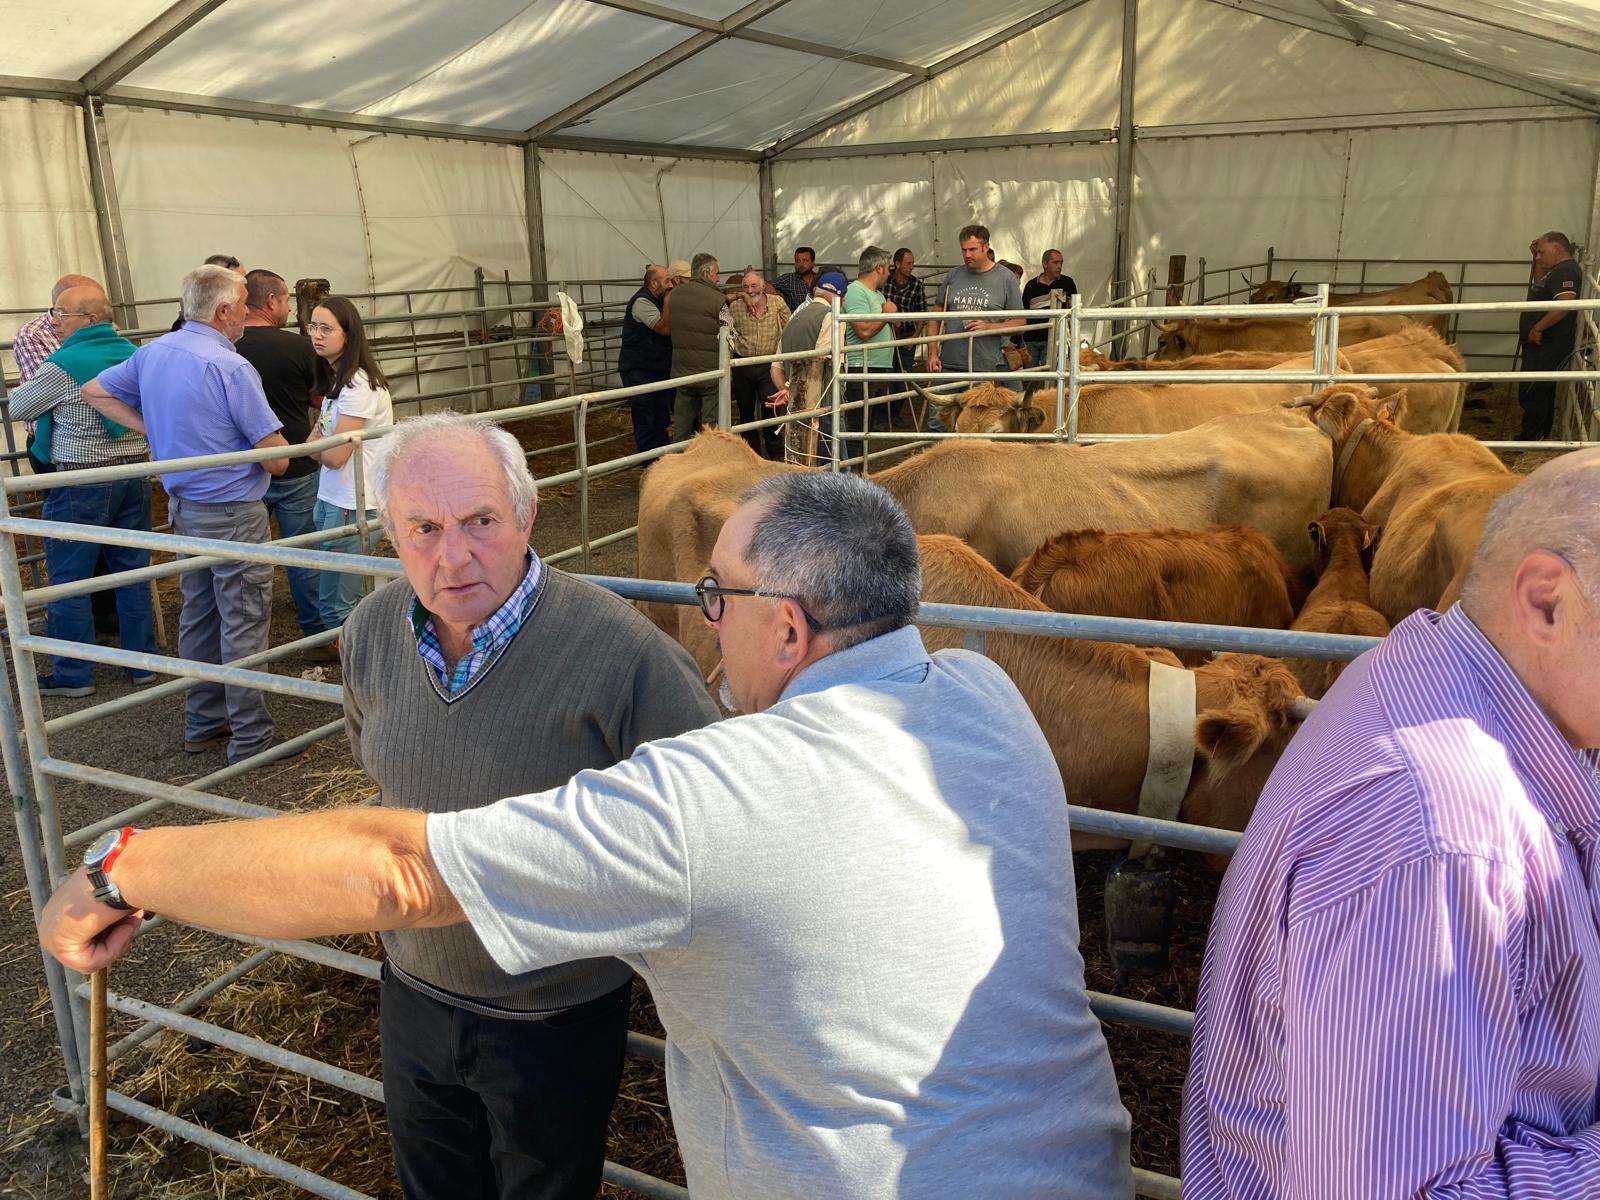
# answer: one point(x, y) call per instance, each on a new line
point(693, 410)
point(227, 612)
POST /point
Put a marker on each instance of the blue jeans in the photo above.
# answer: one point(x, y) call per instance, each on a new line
point(337, 591)
point(293, 503)
point(121, 505)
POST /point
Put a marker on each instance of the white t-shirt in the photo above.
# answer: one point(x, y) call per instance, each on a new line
point(358, 398)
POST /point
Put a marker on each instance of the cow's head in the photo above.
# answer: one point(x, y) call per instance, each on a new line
point(1275, 291)
point(1092, 359)
point(1337, 410)
point(1339, 527)
point(1255, 705)
point(987, 409)
point(1175, 340)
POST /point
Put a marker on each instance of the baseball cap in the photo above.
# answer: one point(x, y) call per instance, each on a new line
point(834, 280)
point(677, 268)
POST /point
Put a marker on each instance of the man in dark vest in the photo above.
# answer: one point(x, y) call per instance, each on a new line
point(696, 311)
point(646, 357)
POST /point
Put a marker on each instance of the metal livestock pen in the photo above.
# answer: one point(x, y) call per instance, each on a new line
point(33, 768)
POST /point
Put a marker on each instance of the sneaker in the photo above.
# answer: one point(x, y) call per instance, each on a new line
point(200, 745)
point(143, 678)
point(49, 685)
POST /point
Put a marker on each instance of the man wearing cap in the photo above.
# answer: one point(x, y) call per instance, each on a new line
point(801, 382)
point(646, 357)
point(696, 312)
point(677, 272)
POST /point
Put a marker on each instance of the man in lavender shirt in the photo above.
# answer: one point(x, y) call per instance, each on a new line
point(1401, 995)
point(189, 392)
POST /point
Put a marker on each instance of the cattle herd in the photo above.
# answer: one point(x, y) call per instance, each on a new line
point(1340, 512)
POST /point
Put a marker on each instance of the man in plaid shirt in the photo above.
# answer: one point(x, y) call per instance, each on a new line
point(905, 289)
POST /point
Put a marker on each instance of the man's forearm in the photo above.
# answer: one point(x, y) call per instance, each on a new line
point(305, 875)
point(1550, 318)
point(107, 405)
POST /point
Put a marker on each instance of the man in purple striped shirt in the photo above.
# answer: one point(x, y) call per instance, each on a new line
point(1401, 995)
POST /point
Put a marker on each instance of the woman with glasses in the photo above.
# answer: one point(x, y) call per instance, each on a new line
point(355, 397)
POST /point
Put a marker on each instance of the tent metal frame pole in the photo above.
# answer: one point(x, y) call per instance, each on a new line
point(1130, 38)
point(661, 63)
point(108, 213)
point(155, 37)
point(949, 63)
point(769, 218)
point(1444, 61)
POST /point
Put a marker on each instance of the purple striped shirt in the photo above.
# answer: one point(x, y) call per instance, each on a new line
point(1401, 995)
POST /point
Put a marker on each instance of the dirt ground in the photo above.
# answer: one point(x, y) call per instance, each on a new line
point(41, 1154)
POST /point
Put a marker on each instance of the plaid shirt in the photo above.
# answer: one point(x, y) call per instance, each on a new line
point(907, 297)
point(795, 290)
point(488, 639)
point(757, 335)
point(35, 342)
point(79, 437)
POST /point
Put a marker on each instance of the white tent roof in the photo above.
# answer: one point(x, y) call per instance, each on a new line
point(705, 74)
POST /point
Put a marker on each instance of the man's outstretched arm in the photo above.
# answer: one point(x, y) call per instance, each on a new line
point(307, 875)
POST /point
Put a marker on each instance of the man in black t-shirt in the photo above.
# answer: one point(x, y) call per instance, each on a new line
point(288, 368)
point(1037, 294)
point(1548, 338)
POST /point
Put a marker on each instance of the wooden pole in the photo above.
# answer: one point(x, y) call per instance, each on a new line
point(1175, 269)
point(99, 1176)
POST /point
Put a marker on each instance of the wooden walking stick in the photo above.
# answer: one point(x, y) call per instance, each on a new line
point(99, 1182)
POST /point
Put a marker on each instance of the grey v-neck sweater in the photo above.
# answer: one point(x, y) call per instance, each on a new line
point(585, 681)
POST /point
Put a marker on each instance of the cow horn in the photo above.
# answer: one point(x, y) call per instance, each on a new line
point(1248, 282)
point(928, 396)
point(1301, 708)
point(1290, 280)
point(1300, 402)
point(1167, 326)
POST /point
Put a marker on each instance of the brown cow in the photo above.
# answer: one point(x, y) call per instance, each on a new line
point(1430, 493)
point(1432, 288)
point(1220, 575)
point(1091, 699)
point(1271, 469)
point(1430, 407)
point(1342, 544)
point(1180, 339)
point(1142, 407)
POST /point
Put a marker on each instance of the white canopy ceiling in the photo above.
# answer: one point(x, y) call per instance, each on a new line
point(707, 74)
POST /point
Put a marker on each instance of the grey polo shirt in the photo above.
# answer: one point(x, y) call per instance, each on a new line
point(856, 913)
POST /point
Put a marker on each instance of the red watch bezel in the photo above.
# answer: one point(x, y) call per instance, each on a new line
point(116, 851)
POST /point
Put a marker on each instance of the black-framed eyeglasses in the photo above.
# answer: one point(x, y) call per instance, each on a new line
point(713, 600)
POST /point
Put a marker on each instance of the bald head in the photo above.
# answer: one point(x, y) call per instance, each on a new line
point(1533, 588)
point(86, 300)
point(1551, 510)
point(67, 282)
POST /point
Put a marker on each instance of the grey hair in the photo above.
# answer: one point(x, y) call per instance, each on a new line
point(1554, 514)
point(871, 259)
point(697, 268)
point(843, 547)
point(420, 434)
point(204, 288)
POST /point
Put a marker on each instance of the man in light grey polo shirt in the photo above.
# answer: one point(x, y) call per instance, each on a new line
point(854, 905)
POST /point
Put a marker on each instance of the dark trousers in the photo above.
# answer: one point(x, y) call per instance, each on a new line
point(752, 384)
point(484, 1108)
point(875, 416)
point(1538, 400)
point(652, 411)
point(124, 504)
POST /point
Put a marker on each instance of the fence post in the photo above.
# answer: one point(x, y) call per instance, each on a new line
point(725, 379)
point(1175, 268)
point(580, 417)
point(835, 346)
point(1074, 384)
point(1201, 279)
point(1061, 344)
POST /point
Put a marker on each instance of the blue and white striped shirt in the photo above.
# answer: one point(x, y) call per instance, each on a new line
point(488, 639)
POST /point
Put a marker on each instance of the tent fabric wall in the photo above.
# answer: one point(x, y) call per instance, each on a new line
point(607, 215)
point(47, 214)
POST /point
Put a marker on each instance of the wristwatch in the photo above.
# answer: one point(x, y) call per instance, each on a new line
point(97, 864)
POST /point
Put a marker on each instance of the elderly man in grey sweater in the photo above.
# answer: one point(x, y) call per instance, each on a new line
point(854, 903)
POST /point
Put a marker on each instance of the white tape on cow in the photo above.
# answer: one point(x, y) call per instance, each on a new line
point(1171, 761)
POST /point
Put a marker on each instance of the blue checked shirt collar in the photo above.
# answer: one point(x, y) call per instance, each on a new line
point(488, 639)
